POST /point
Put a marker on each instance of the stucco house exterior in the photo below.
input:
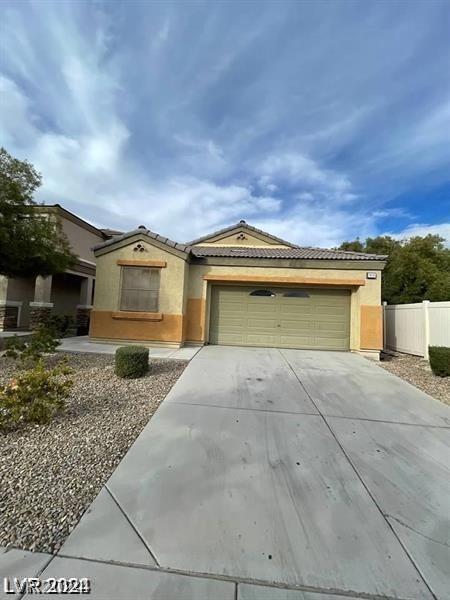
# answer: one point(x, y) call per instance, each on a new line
point(25, 302)
point(239, 286)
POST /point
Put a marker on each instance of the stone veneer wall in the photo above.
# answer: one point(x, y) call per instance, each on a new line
point(8, 317)
point(39, 315)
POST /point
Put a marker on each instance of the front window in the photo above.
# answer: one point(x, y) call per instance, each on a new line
point(140, 289)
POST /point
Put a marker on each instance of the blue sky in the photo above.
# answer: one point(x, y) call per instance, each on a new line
point(317, 121)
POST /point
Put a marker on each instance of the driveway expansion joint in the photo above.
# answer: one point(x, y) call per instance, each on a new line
point(132, 525)
point(239, 580)
point(263, 410)
point(423, 425)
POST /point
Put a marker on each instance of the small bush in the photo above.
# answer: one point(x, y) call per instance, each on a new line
point(61, 325)
point(29, 352)
point(439, 360)
point(131, 361)
point(34, 396)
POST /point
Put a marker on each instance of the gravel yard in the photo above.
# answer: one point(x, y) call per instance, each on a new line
point(51, 473)
point(416, 370)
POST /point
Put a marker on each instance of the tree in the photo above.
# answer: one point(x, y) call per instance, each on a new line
point(355, 246)
point(31, 243)
point(417, 268)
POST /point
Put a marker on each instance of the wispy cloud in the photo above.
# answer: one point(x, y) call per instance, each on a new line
point(442, 229)
point(307, 121)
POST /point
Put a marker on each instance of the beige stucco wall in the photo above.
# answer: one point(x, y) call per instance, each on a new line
point(21, 289)
point(81, 240)
point(172, 285)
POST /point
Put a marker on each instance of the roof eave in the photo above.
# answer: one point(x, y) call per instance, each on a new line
point(109, 245)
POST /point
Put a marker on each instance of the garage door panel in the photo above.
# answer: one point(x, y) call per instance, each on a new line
point(231, 323)
point(320, 320)
point(264, 308)
point(333, 311)
point(331, 327)
point(300, 313)
point(331, 344)
point(231, 339)
point(262, 340)
point(297, 324)
point(296, 341)
point(263, 324)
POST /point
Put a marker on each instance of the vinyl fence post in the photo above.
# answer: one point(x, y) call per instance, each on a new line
point(384, 324)
point(426, 325)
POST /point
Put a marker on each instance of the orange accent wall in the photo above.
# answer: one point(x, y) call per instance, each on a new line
point(103, 325)
point(289, 280)
point(195, 320)
point(371, 327)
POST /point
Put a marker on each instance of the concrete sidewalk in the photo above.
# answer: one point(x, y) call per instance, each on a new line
point(274, 475)
point(82, 343)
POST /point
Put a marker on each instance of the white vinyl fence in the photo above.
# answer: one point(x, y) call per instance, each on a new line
point(411, 328)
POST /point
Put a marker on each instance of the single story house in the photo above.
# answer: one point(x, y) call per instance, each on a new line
point(239, 286)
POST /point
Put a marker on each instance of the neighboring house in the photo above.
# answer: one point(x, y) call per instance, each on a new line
point(239, 286)
point(24, 302)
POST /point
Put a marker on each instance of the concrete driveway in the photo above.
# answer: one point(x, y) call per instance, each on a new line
point(316, 472)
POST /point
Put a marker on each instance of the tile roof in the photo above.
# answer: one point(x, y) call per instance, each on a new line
point(243, 225)
point(288, 253)
point(110, 232)
point(146, 232)
point(293, 252)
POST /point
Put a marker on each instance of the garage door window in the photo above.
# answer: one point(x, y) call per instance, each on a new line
point(267, 293)
point(296, 294)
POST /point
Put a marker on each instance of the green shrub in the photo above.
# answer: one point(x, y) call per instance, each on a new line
point(14, 346)
point(61, 325)
point(34, 396)
point(29, 352)
point(439, 360)
point(131, 361)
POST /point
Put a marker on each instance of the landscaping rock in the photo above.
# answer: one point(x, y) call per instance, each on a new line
point(416, 370)
point(51, 473)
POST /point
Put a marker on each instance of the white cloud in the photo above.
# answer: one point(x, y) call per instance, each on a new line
point(442, 229)
point(199, 122)
point(307, 174)
point(321, 227)
point(395, 211)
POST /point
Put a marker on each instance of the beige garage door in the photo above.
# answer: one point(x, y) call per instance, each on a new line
point(280, 317)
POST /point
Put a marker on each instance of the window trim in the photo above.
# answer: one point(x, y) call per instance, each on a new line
point(136, 316)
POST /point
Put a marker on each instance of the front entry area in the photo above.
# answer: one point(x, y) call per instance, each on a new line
point(280, 317)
